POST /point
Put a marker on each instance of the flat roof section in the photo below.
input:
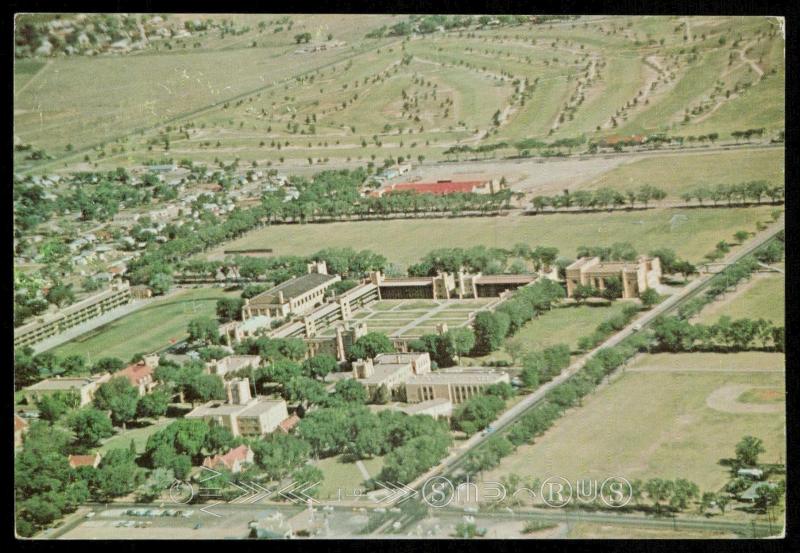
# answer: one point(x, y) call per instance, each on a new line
point(292, 288)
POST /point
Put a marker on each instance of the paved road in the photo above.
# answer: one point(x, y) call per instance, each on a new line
point(532, 399)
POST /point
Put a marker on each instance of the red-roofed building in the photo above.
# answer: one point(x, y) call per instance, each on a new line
point(20, 427)
point(76, 461)
point(140, 375)
point(234, 460)
point(441, 187)
point(288, 424)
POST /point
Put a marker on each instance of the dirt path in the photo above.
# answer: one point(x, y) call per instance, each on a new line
point(726, 399)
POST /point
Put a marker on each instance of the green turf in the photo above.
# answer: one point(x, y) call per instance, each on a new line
point(762, 297)
point(690, 232)
point(148, 329)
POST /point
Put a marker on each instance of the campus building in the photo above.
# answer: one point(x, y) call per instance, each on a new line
point(119, 293)
point(296, 296)
point(242, 414)
point(447, 286)
point(443, 187)
point(390, 369)
point(140, 374)
point(456, 386)
point(635, 276)
point(234, 460)
point(82, 388)
point(232, 364)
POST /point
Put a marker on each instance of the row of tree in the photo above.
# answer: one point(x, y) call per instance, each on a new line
point(675, 334)
point(600, 198)
point(743, 192)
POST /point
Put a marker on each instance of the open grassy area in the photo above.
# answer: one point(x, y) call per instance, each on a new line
point(677, 174)
point(241, 90)
point(344, 476)
point(690, 232)
point(656, 423)
point(148, 329)
point(122, 439)
point(564, 325)
point(762, 297)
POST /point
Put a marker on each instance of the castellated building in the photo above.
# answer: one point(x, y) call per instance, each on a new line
point(635, 276)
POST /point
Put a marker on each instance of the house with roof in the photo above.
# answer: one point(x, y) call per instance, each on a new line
point(140, 375)
point(390, 370)
point(235, 460)
point(93, 461)
point(456, 386)
point(442, 187)
point(288, 424)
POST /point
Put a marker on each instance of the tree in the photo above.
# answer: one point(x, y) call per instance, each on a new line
point(320, 365)
point(351, 391)
point(279, 453)
point(476, 413)
point(490, 329)
point(370, 345)
point(382, 395)
point(649, 298)
point(767, 495)
point(120, 397)
point(463, 340)
point(90, 427)
point(368, 436)
point(229, 309)
point(658, 490)
point(748, 449)
point(154, 404)
point(582, 292)
point(160, 283)
point(308, 475)
point(53, 406)
point(60, 294)
point(108, 365)
point(741, 236)
point(117, 475)
point(203, 329)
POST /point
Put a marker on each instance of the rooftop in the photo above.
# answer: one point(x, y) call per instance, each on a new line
point(135, 373)
point(255, 407)
point(292, 288)
point(67, 383)
point(458, 377)
point(415, 408)
point(504, 279)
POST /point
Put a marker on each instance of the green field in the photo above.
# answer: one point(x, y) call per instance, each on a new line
point(690, 232)
point(139, 436)
point(654, 422)
point(762, 297)
point(677, 174)
point(148, 329)
point(344, 476)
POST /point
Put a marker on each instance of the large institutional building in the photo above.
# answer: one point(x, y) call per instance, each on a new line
point(296, 296)
point(391, 370)
point(242, 414)
point(457, 386)
point(119, 293)
point(635, 276)
point(447, 286)
point(82, 388)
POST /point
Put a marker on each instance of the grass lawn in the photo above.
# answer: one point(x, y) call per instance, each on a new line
point(690, 232)
point(588, 530)
point(762, 297)
point(561, 325)
point(344, 476)
point(677, 174)
point(138, 435)
point(148, 329)
point(655, 424)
